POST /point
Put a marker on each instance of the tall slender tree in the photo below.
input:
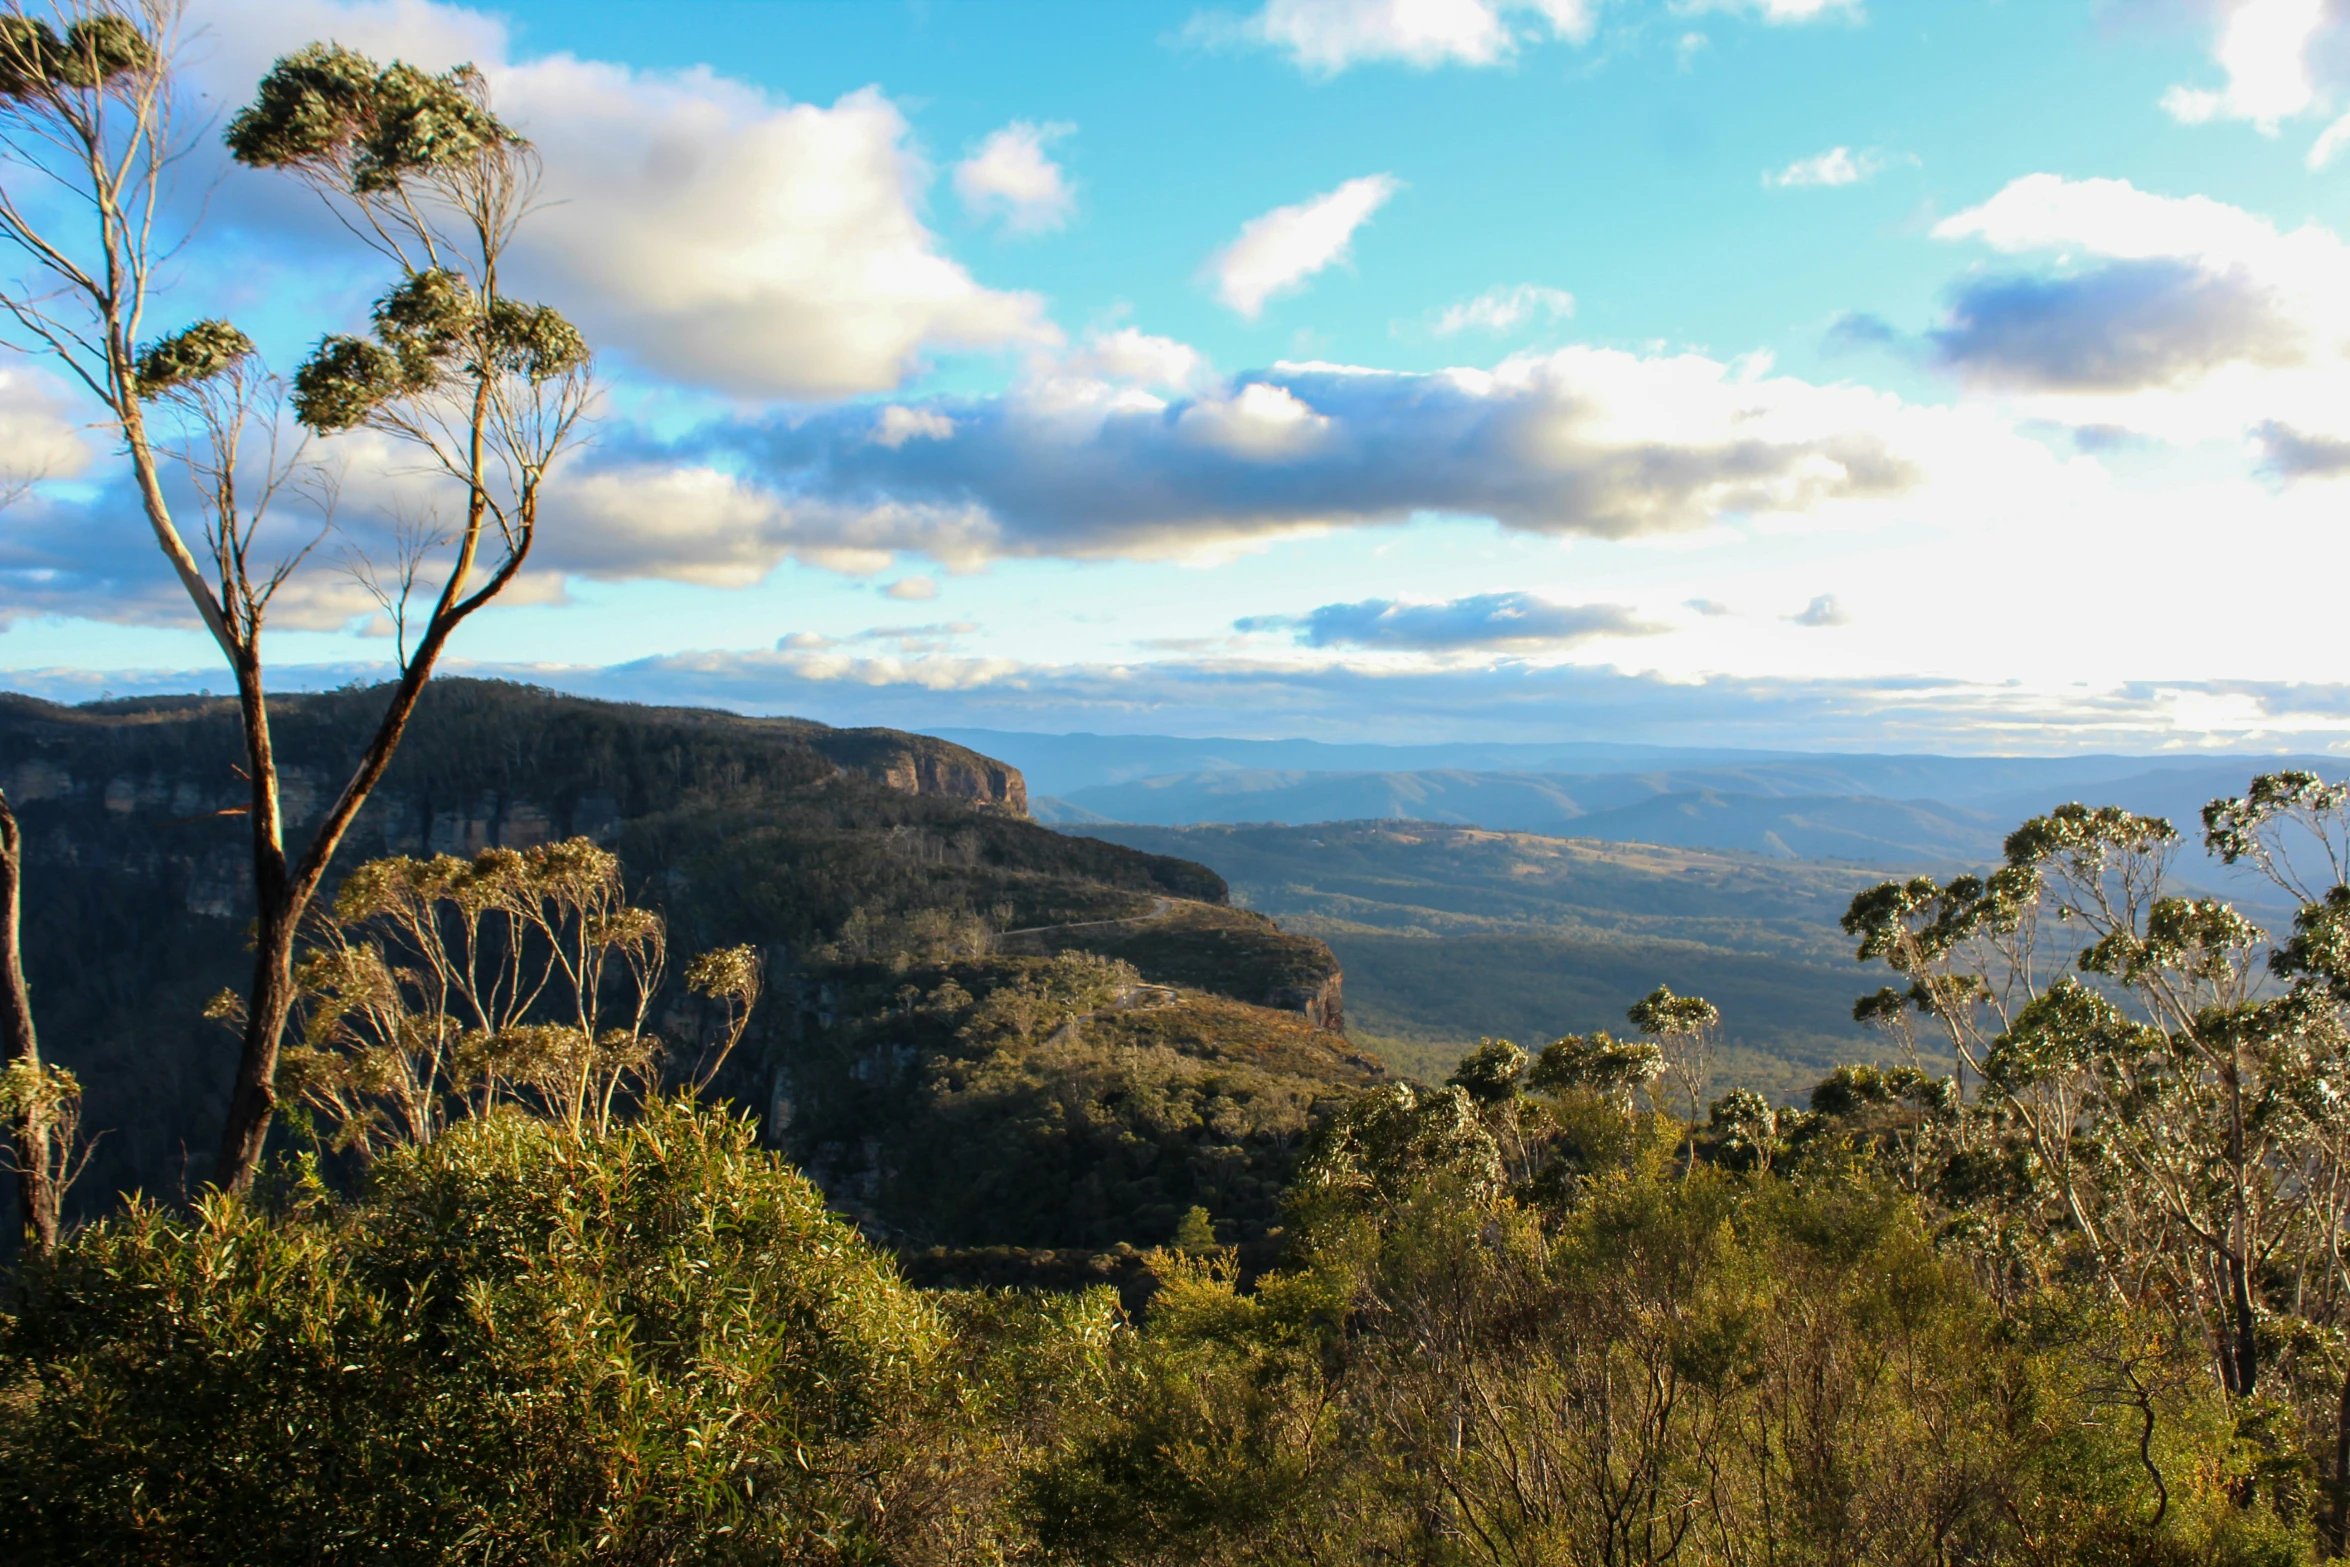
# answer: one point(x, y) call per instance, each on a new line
point(490, 390)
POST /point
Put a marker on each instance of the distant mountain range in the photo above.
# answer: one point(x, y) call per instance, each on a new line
point(1886, 810)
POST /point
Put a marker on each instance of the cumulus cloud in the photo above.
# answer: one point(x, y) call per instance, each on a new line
point(1010, 179)
point(2287, 453)
point(761, 248)
point(2181, 317)
point(84, 549)
point(1517, 622)
point(1328, 36)
point(1836, 166)
point(1277, 253)
point(704, 524)
point(1136, 357)
point(714, 233)
point(1505, 309)
point(1579, 441)
point(898, 425)
point(2117, 327)
point(1822, 611)
point(2263, 46)
point(38, 439)
point(912, 589)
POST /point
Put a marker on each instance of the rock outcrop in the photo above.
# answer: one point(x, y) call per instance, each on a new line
point(922, 764)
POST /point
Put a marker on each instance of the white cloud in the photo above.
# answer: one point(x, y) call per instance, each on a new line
point(725, 239)
point(1012, 179)
point(1505, 309)
point(1777, 12)
point(2329, 143)
point(1328, 36)
point(1482, 622)
point(912, 590)
point(1836, 166)
point(1580, 441)
point(1262, 423)
point(715, 234)
point(1276, 253)
point(818, 677)
point(2263, 46)
point(37, 439)
point(684, 522)
point(2179, 317)
point(898, 425)
point(1822, 611)
point(1130, 355)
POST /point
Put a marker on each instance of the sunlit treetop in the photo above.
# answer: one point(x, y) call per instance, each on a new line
point(332, 112)
point(94, 51)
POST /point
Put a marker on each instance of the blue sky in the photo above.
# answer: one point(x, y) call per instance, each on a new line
point(1959, 376)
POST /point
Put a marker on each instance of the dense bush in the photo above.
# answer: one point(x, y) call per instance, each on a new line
point(517, 1345)
point(1640, 1367)
point(524, 1344)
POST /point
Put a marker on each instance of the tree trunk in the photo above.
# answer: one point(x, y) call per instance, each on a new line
point(277, 916)
point(253, 1102)
point(36, 1186)
point(2338, 1523)
point(2244, 1359)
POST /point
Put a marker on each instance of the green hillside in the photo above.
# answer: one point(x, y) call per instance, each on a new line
point(1451, 933)
point(901, 1044)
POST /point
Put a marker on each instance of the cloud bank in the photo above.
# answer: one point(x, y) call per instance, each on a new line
point(1581, 441)
point(1513, 622)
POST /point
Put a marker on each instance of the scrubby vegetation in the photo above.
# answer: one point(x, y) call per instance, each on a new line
point(520, 1343)
point(2082, 1301)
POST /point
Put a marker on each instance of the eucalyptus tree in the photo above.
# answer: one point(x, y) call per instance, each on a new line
point(2169, 1111)
point(485, 389)
point(1687, 1030)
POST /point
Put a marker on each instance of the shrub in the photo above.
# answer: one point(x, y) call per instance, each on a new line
point(517, 1345)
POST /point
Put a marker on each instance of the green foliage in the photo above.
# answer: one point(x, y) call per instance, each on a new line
point(343, 381)
point(187, 357)
point(1491, 1072)
point(332, 110)
point(1718, 1370)
point(97, 50)
point(1054, 1103)
point(1597, 1062)
point(1196, 1233)
point(516, 1345)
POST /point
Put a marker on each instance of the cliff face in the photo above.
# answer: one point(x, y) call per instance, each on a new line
point(919, 764)
point(768, 831)
point(483, 764)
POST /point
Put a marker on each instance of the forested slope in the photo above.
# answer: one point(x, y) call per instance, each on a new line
point(860, 863)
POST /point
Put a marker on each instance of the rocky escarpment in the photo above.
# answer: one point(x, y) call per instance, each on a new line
point(921, 764)
point(551, 767)
point(774, 832)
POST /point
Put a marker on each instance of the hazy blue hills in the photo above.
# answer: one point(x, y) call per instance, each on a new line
point(1897, 811)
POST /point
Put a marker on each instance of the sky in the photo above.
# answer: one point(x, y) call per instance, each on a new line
point(1959, 375)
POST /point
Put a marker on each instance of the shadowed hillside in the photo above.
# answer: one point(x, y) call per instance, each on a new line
point(861, 863)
